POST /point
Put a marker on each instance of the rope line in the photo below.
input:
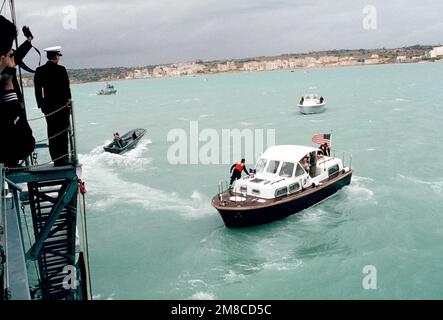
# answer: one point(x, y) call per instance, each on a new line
point(38, 165)
point(55, 135)
point(49, 114)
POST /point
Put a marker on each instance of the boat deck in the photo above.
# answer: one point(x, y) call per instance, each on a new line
point(228, 200)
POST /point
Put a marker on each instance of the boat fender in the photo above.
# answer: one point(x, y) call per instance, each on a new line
point(81, 185)
point(345, 170)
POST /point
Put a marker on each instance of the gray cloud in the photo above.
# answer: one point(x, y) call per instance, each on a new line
point(133, 32)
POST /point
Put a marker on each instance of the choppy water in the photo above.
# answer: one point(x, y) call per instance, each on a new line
point(154, 235)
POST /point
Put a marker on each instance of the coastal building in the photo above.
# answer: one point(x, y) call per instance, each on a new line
point(374, 59)
point(158, 71)
point(229, 66)
point(402, 59)
point(436, 52)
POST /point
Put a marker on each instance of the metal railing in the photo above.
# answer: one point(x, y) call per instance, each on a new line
point(344, 154)
point(32, 160)
point(3, 264)
point(222, 188)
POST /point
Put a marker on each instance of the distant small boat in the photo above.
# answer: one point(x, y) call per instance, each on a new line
point(128, 141)
point(109, 89)
point(311, 103)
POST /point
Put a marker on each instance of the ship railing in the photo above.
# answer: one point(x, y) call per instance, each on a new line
point(32, 160)
point(346, 157)
point(2, 191)
point(223, 187)
point(3, 263)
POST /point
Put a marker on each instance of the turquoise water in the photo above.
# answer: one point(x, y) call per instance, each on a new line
point(154, 235)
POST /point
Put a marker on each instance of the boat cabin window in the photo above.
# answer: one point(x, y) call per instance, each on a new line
point(299, 171)
point(261, 164)
point(273, 166)
point(333, 170)
point(294, 187)
point(281, 192)
point(287, 168)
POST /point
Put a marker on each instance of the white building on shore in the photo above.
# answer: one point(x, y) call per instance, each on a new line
point(436, 52)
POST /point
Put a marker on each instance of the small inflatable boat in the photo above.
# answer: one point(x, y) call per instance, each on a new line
point(128, 141)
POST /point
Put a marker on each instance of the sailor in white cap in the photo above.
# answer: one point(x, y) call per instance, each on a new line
point(53, 50)
point(52, 92)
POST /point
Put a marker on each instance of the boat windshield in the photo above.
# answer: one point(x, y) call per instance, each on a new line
point(287, 168)
point(299, 171)
point(260, 166)
point(273, 166)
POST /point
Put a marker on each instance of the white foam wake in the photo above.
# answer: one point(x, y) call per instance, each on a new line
point(132, 160)
point(102, 172)
point(100, 297)
point(358, 190)
point(203, 296)
point(437, 186)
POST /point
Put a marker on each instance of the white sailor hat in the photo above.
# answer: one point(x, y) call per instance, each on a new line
point(54, 49)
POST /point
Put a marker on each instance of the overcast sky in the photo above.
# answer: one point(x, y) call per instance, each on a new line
point(136, 32)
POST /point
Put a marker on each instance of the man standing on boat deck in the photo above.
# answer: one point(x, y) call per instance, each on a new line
point(53, 95)
point(236, 170)
point(325, 149)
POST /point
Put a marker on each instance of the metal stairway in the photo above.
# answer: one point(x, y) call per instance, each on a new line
point(53, 205)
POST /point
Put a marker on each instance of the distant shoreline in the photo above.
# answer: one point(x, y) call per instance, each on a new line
point(289, 62)
point(203, 75)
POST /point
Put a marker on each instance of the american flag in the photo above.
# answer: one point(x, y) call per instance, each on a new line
point(321, 138)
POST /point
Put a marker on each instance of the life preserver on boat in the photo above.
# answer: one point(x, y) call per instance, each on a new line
point(239, 166)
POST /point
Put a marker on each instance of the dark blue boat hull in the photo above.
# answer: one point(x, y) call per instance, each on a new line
point(128, 140)
point(256, 216)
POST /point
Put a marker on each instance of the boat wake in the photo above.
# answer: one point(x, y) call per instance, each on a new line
point(100, 297)
point(316, 120)
point(132, 160)
point(437, 186)
point(312, 214)
point(203, 296)
point(106, 187)
point(358, 191)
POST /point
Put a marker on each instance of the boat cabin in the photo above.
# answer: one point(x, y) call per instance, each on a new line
point(287, 169)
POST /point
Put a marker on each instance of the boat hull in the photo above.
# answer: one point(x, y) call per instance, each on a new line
point(238, 218)
point(107, 93)
point(312, 109)
point(130, 143)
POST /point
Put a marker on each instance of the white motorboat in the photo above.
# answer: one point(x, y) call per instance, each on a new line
point(311, 103)
point(286, 180)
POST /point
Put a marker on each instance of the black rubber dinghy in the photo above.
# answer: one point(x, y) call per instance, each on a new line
point(128, 141)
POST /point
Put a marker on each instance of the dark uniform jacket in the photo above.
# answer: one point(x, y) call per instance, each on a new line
point(17, 139)
point(51, 83)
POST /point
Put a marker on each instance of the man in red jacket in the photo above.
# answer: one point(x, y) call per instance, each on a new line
point(236, 170)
